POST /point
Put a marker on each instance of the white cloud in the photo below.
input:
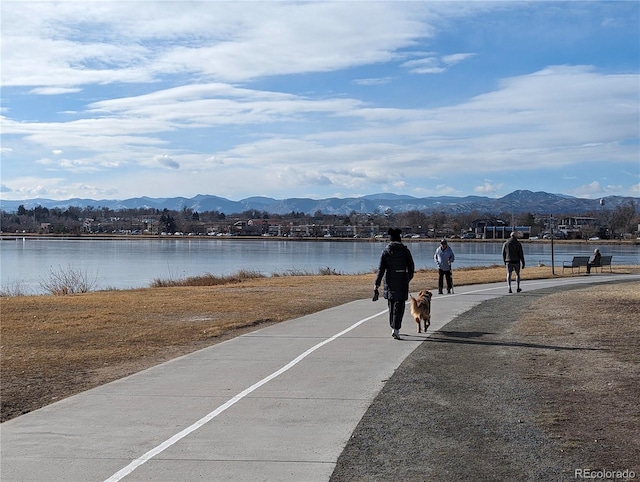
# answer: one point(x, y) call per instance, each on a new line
point(426, 65)
point(214, 160)
point(489, 188)
point(434, 64)
point(373, 81)
point(595, 189)
point(166, 161)
point(121, 45)
point(54, 188)
point(445, 190)
point(54, 91)
point(456, 58)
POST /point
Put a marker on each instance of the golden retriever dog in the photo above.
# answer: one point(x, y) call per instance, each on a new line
point(421, 309)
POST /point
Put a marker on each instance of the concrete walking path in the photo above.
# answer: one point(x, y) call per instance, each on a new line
point(277, 404)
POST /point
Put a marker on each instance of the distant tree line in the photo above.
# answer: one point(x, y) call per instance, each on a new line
point(94, 220)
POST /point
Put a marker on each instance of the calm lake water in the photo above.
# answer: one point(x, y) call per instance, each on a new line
point(135, 263)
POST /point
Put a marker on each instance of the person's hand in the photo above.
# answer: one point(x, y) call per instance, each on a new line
point(376, 294)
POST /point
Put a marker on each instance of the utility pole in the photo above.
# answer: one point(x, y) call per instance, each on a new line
point(553, 265)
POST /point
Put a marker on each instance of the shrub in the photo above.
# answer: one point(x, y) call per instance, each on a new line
point(69, 280)
point(15, 289)
point(207, 279)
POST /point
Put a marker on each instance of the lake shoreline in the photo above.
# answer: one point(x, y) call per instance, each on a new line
point(146, 237)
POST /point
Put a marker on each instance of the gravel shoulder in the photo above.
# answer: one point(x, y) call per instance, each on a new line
point(473, 402)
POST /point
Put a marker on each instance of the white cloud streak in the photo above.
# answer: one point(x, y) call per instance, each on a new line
point(226, 41)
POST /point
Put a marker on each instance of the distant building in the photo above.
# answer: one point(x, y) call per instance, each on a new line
point(503, 232)
point(252, 227)
point(497, 229)
point(574, 227)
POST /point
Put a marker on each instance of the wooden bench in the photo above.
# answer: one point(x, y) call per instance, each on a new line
point(577, 262)
point(604, 261)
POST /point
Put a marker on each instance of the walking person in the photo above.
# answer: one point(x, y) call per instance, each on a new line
point(397, 269)
point(444, 258)
point(513, 257)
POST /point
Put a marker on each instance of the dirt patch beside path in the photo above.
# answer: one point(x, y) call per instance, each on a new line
point(588, 390)
point(525, 387)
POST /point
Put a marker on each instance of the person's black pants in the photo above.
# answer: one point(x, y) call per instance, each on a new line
point(442, 274)
point(396, 312)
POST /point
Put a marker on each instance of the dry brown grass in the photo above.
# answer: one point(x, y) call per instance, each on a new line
point(589, 394)
point(56, 346)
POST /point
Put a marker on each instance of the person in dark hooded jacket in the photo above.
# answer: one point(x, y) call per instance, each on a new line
point(513, 257)
point(397, 269)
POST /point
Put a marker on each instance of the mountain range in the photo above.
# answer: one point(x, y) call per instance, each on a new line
point(515, 202)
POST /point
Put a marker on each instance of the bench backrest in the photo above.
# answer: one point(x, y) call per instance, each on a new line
point(605, 260)
point(579, 261)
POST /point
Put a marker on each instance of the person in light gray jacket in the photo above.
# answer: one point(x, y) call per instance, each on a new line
point(444, 258)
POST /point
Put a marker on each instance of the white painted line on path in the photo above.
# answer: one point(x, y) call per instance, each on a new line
point(210, 416)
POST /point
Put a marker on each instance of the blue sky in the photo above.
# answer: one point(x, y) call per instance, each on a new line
point(112, 100)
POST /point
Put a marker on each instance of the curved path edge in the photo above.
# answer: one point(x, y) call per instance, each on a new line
point(461, 406)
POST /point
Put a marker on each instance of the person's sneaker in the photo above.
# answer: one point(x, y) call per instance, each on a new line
point(510, 290)
point(448, 292)
point(439, 292)
point(395, 334)
point(519, 290)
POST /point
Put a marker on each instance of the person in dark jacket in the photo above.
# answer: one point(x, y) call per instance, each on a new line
point(594, 261)
point(513, 257)
point(397, 269)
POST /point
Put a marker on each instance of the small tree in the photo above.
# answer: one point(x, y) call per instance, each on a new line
point(621, 219)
